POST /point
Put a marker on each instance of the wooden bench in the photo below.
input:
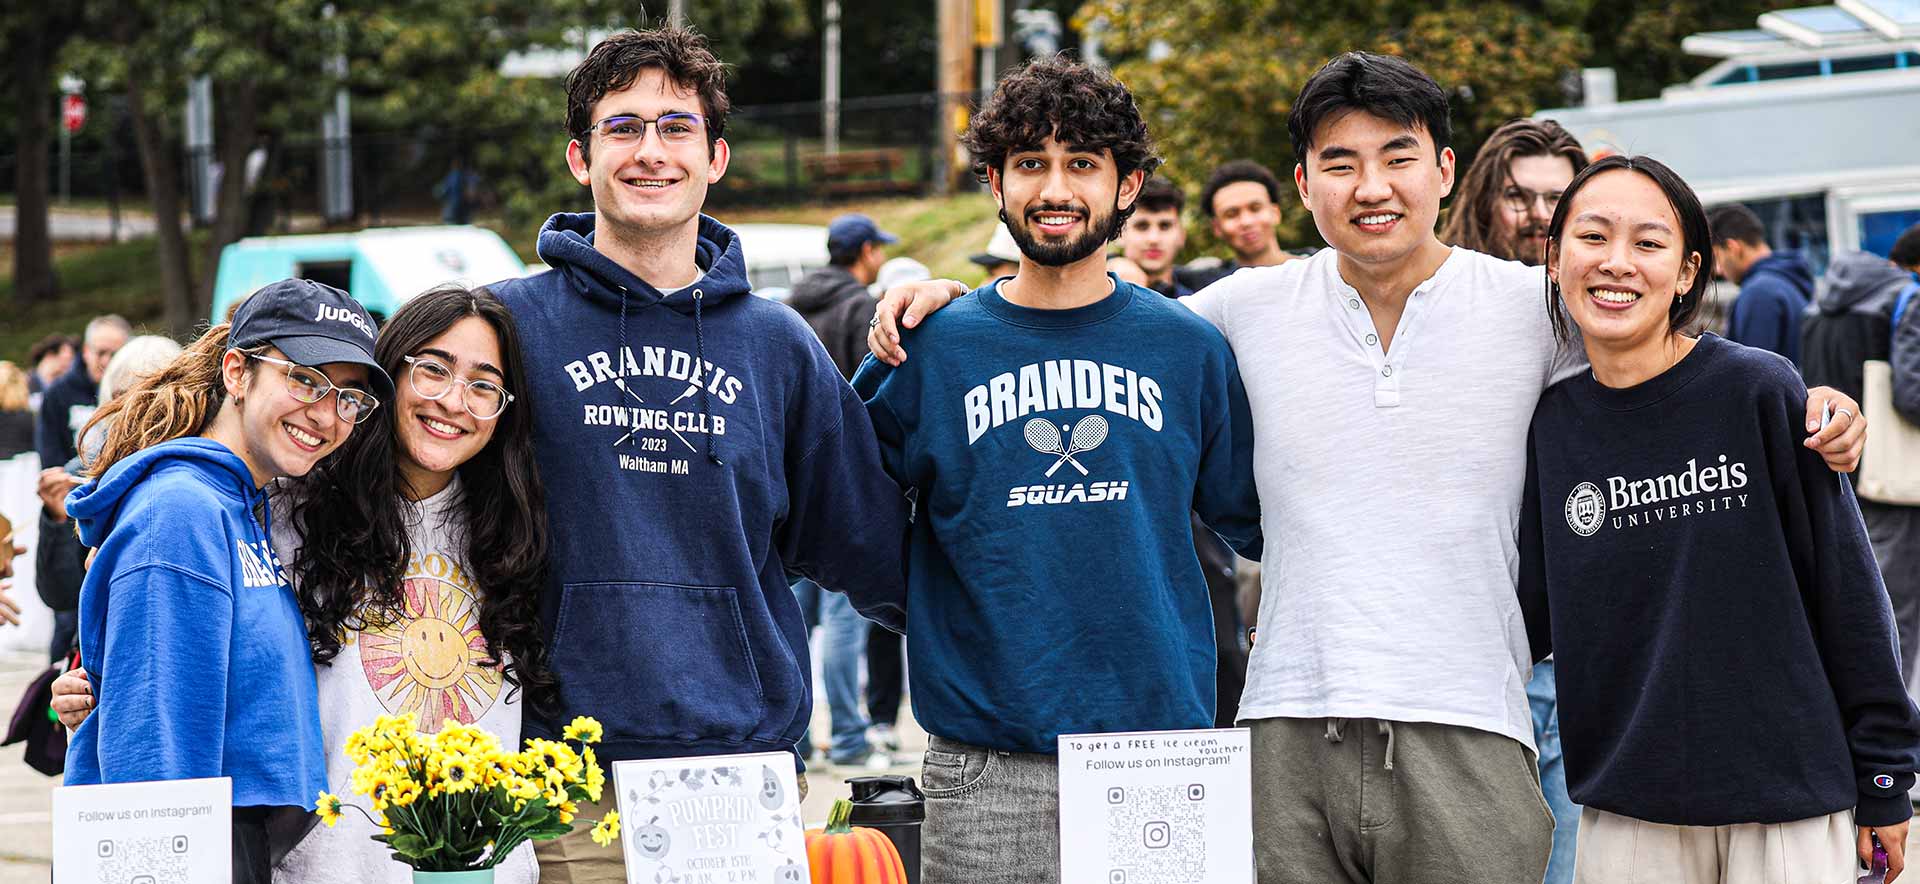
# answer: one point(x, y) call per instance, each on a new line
point(859, 173)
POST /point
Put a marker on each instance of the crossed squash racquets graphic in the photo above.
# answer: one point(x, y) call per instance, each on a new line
point(1043, 437)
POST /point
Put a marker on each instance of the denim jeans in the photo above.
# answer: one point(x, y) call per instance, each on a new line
point(1553, 773)
point(846, 638)
point(993, 817)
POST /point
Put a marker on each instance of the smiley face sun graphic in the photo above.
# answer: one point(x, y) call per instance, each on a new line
point(428, 661)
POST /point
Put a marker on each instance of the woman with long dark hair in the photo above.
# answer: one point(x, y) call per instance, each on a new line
point(419, 556)
point(186, 618)
point(418, 553)
point(1731, 704)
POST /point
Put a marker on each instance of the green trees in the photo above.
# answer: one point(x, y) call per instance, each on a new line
point(31, 36)
point(1217, 77)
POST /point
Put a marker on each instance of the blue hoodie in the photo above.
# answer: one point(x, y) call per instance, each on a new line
point(1773, 294)
point(697, 448)
point(196, 646)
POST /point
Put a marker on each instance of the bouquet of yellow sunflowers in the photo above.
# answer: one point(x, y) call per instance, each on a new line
point(458, 801)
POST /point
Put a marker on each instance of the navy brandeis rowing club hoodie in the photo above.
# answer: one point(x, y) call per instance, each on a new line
point(698, 447)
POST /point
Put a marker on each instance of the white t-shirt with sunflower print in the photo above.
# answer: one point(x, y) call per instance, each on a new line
point(428, 662)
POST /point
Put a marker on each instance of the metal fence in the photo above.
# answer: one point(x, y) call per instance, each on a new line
point(780, 154)
point(889, 144)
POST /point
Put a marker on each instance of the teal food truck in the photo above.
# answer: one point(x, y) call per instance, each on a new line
point(380, 267)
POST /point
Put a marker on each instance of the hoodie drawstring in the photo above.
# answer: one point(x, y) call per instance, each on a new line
point(620, 358)
point(700, 365)
point(700, 359)
point(1334, 735)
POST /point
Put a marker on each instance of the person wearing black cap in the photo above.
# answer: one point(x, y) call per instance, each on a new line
point(834, 299)
point(186, 599)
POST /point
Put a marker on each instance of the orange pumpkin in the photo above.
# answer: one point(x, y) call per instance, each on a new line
point(842, 853)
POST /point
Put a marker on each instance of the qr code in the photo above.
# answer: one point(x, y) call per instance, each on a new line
point(161, 860)
point(1157, 834)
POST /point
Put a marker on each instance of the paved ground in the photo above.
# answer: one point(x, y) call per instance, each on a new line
point(26, 837)
point(26, 797)
point(89, 225)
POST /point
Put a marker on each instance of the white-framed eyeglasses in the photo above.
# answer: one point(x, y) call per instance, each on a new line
point(432, 379)
point(310, 385)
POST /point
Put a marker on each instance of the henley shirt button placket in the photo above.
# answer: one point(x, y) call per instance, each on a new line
point(1372, 340)
point(1386, 372)
point(1353, 303)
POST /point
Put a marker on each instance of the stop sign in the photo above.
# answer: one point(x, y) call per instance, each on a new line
point(73, 112)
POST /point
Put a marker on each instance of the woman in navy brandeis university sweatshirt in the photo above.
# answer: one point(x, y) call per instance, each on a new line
point(187, 623)
point(1730, 695)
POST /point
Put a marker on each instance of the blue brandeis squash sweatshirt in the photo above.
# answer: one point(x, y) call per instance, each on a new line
point(1055, 455)
point(1724, 647)
point(195, 643)
point(697, 448)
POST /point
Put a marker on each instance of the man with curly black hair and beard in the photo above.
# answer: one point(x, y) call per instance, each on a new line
point(1057, 431)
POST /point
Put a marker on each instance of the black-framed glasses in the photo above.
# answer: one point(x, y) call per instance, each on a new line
point(1521, 199)
point(627, 130)
point(432, 379)
point(310, 385)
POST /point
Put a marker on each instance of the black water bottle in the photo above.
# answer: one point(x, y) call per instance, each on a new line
point(896, 807)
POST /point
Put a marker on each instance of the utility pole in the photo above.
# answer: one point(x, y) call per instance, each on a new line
point(70, 86)
point(336, 140)
point(955, 82)
point(677, 13)
point(830, 90)
point(988, 34)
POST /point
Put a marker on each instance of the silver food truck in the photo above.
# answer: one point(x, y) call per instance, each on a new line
point(1812, 120)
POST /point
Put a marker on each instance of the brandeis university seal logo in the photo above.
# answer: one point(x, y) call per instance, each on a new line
point(1586, 509)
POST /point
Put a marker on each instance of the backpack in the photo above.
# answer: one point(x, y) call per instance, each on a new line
point(1900, 304)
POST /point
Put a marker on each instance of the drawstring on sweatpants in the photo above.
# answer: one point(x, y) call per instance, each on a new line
point(1334, 735)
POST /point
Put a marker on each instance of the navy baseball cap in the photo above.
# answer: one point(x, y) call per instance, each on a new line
point(314, 324)
point(854, 230)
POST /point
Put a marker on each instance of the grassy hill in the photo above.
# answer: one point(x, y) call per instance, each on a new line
point(939, 232)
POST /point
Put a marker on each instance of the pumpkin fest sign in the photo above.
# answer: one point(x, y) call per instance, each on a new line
point(719, 819)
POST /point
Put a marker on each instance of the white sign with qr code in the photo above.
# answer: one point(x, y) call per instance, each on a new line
point(1157, 807)
point(173, 832)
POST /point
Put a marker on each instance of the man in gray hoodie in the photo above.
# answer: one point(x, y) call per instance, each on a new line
point(1848, 323)
point(834, 299)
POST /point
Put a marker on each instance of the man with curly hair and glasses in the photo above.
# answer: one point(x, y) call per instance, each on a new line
point(1057, 431)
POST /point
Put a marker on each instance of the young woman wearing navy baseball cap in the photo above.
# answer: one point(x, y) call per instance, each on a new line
point(186, 617)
